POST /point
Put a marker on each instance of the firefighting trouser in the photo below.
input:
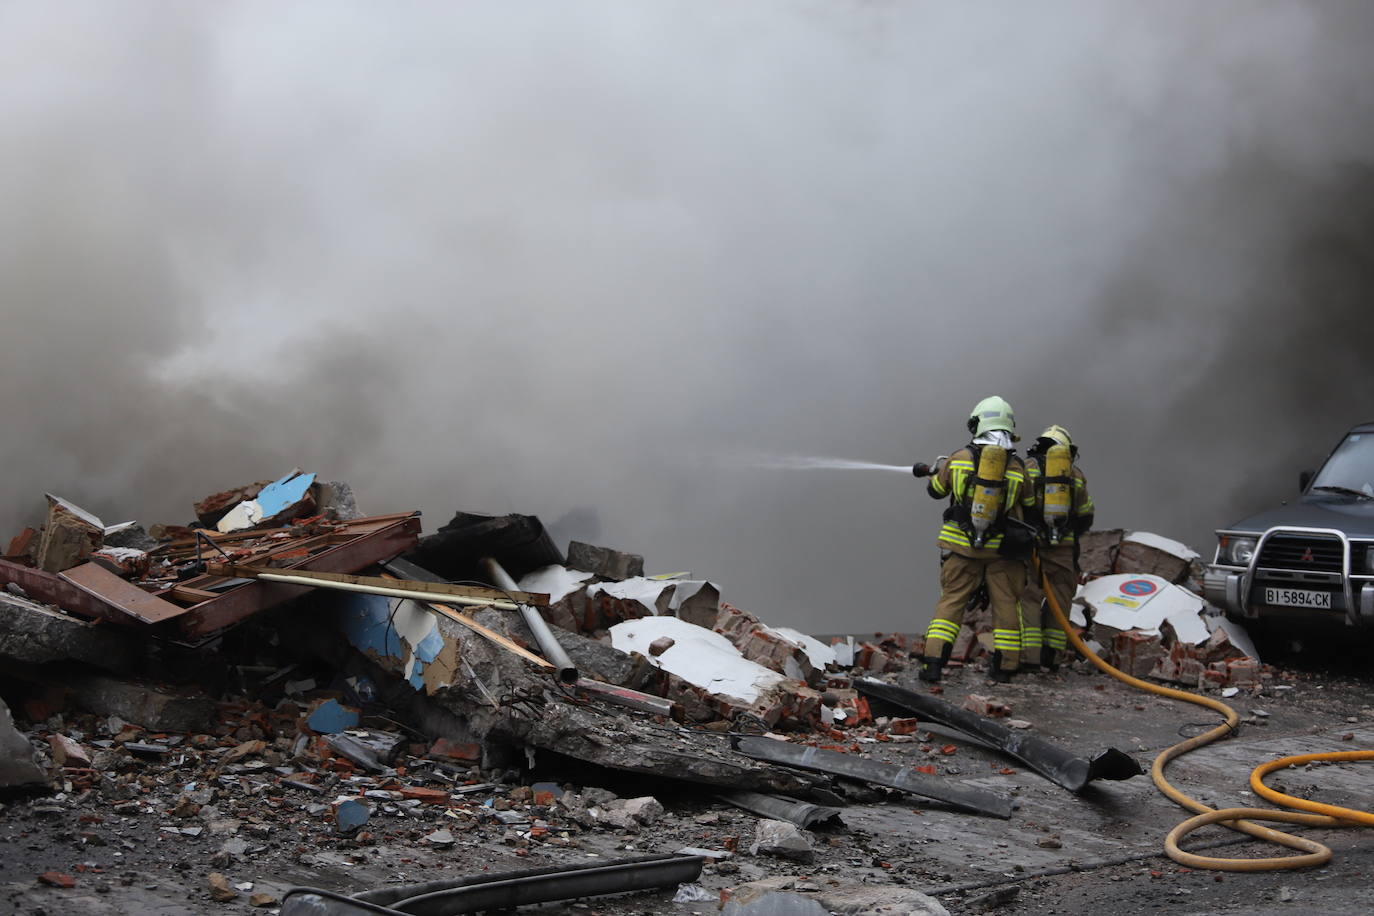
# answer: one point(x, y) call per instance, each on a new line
point(960, 577)
point(1038, 626)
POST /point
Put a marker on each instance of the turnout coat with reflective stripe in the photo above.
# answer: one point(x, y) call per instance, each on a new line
point(954, 479)
point(1081, 508)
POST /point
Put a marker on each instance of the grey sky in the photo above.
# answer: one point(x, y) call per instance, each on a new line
point(541, 256)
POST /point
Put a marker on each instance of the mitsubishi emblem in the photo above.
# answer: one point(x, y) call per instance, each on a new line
point(1307, 555)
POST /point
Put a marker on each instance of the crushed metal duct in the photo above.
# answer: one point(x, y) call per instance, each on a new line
point(782, 808)
point(848, 766)
point(501, 891)
point(1056, 764)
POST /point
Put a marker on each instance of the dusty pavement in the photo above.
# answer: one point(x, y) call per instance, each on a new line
point(1059, 853)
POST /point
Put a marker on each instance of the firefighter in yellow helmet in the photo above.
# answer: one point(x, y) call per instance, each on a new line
point(1062, 513)
point(983, 541)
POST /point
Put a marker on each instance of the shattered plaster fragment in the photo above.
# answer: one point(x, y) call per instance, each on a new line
point(699, 656)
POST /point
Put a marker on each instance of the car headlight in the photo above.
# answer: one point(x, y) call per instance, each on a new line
point(1241, 551)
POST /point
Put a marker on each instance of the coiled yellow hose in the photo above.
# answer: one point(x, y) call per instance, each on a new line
point(1241, 819)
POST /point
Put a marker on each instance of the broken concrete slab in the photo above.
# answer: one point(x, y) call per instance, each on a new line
point(334, 499)
point(604, 562)
point(850, 766)
point(156, 708)
point(32, 634)
point(70, 535)
point(19, 769)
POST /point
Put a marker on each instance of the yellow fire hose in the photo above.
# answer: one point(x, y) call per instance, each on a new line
point(1323, 815)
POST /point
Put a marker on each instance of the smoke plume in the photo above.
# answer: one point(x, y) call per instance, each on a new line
point(560, 259)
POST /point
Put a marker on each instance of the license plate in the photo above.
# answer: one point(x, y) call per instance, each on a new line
point(1297, 597)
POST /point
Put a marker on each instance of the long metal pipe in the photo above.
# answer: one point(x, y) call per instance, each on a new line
point(433, 597)
point(548, 644)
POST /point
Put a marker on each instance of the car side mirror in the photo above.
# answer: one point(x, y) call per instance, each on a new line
point(1304, 478)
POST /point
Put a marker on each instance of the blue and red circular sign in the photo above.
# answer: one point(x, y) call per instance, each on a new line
point(1138, 588)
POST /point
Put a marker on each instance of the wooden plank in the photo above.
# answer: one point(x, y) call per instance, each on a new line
point(96, 580)
point(438, 589)
point(50, 588)
point(382, 543)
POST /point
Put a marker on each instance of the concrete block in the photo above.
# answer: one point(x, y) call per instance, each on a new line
point(157, 709)
point(18, 768)
point(70, 535)
point(604, 562)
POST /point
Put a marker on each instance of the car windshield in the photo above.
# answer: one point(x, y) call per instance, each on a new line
point(1350, 469)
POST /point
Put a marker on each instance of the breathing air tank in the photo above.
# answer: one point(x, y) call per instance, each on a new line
point(1058, 490)
point(985, 502)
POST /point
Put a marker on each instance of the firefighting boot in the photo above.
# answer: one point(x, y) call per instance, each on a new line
point(1049, 658)
point(996, 674)
point(932, 666)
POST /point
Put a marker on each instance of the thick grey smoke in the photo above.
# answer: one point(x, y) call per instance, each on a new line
point(567, 259)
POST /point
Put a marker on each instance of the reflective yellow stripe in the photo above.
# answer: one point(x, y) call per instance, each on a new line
point(942, 629)
point(1056, 639)
point(952, 534)
point(1030, 638)
point(1007, 639)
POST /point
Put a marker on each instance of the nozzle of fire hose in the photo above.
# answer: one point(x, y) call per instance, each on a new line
point(921, 469)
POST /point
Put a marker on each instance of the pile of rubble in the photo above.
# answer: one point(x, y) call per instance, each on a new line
point(284, 675)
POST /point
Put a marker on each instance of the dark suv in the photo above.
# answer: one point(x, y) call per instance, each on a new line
point(1309, 561)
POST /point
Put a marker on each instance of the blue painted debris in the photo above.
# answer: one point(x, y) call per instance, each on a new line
point(280, 495)
point(271, 501)
point(406, 633)
point(350, 814)
point(332, 717)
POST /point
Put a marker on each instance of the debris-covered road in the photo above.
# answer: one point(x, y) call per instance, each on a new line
point(284, 694)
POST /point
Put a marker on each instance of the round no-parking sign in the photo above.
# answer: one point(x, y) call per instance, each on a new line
point(1138, 588)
